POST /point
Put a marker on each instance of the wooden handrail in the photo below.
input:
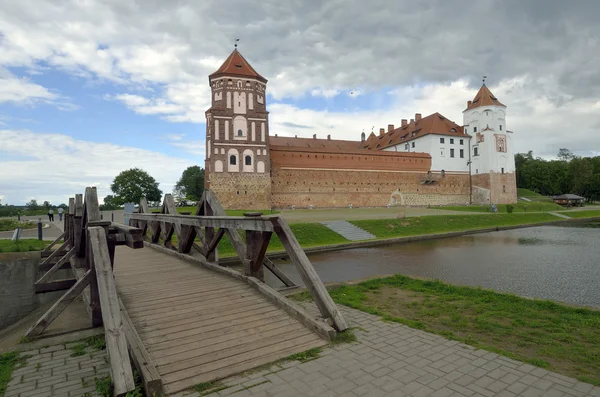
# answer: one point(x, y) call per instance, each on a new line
point(262, 224)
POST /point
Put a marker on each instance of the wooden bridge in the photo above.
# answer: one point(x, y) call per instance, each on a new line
point(169, 307)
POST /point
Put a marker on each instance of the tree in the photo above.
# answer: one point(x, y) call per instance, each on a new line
point(191, 184)
point(110, 203)
point(565, 155)
point(46, 205)
point(130, 185)
point(32, 205)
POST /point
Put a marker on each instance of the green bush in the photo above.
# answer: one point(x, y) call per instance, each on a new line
point(510, 208)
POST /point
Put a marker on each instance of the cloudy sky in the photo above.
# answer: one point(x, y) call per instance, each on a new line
point(89, 88)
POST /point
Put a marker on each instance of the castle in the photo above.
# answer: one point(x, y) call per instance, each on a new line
point(425, 161)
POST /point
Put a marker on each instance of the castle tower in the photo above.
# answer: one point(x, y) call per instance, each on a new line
point(237, 136)
point(492, 157)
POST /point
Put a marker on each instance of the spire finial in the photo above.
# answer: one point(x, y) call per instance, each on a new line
point(235, 44)
point(484, 77)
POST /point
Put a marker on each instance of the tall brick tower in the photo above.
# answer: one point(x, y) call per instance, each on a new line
point(493, 162)
point(237, 136)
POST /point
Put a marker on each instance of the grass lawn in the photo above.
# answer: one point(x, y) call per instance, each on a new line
point(8, 362)
point(388, 228)
point(583, 214)
point(542, 333)
point(307, 234)
point(533, 196)
point(23, 245)
point(11, 224)
point(521, 206)
point(192, 210)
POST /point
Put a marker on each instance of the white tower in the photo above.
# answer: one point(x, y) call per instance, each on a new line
point(492, 157)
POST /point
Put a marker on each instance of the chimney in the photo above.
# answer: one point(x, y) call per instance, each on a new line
point(275, 135)
point(417, 116)
point(381, 131)
point(328, 137)
point(412, 121)
point(362, 137)
point(314, 136)
point(404, 123)
point(469, 104)
point(390, 127)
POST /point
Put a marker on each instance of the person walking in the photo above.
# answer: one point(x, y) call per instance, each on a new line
point(60, 212)
point(51, 215)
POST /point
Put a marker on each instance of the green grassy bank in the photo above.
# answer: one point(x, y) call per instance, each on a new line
point(11, 224)
point(537, 206)
point(316, 235)
point(23, 245)
point(533, 196)
point(582, 214)
point(389, 228)
point(543, 333)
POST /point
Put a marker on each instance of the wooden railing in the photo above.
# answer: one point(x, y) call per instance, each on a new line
point(210, 224)
point(89, 251)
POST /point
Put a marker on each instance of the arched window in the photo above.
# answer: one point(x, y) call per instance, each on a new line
point(248, 160)
point(240, 133)
point(232, 160)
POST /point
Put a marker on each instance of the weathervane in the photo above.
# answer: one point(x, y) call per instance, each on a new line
point(484, 77)
point(235, 44)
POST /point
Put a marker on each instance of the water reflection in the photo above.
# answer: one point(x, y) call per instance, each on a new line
point(559, 263)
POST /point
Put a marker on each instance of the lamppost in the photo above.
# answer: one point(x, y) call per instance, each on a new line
point(470, 178)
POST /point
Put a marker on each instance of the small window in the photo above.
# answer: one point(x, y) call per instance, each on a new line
point(442, 152)
point(462, 153)
point(441, 140)
point(474, 129)
point(475, 151)
point(451, 152)
point(240, 133)
point(248, 160)
point(477, 170)
point(232, 160)
point(461, 141)
point(503, 170)
point(451, 141)
point(466, 130)
point(501, 130)
point(406, 146)
point(503, 188)
point(413, 144)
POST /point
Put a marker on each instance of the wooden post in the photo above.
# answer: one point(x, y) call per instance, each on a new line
point(209, 234)
point(59, 306)
point(309, 276)
point(116, 343)
point(95, 305)
point(78, 226)
point(256, 247)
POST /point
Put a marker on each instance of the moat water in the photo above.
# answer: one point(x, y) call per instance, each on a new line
point(550, 262)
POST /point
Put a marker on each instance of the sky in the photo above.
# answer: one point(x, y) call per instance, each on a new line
point(89, 88)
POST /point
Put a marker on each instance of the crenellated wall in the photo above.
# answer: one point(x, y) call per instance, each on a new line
point(327, 188)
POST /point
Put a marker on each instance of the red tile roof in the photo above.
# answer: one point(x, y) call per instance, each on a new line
point(313, 143)
point(236, 65)
point(432, 124)
point(484, 97)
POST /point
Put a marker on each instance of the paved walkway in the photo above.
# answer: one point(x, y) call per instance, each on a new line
point(52, 371)
point(391, 359)
point(388, 359)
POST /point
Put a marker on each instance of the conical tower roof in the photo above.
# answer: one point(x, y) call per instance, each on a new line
point(484, 97)
point(236, 65)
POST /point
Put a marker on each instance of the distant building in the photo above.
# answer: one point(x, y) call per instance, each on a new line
point(569, 200)
point(425, 161)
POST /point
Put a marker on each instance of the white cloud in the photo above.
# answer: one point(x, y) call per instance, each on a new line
point(538, 123)
point(54, 167)
point(20, 90)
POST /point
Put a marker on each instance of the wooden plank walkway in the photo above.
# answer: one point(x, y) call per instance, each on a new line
point(199, 326)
